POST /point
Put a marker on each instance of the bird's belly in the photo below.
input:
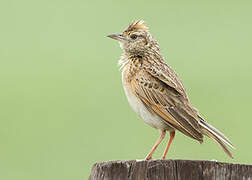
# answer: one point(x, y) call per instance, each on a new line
point(137, 105)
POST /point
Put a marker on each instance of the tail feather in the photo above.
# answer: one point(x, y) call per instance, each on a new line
point(212, 132)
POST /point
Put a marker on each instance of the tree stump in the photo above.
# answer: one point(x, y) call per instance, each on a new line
point(170, 170)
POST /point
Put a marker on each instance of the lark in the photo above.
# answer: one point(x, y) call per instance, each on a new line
point(156, 93)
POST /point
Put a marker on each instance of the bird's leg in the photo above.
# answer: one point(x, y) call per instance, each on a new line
point(162, 135)
point(172, 134)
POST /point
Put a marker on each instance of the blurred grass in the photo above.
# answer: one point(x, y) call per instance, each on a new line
point(62, 104)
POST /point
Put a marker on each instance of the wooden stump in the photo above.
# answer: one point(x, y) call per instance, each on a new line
point(170, 170)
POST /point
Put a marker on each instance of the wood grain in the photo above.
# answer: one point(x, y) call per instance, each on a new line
point(170, 170)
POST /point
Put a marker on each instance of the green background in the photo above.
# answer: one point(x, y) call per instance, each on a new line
point(61, 99)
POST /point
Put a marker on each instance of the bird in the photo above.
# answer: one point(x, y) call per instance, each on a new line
point(156, 93)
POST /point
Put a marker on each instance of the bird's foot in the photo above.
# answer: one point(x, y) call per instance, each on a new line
point(148, 157)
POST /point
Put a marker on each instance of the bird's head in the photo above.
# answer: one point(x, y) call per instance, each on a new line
point(136, 40)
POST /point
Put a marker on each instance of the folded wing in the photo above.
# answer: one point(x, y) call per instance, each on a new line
point(167, 103)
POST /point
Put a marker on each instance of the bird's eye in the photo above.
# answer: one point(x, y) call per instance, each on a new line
point(133, 36)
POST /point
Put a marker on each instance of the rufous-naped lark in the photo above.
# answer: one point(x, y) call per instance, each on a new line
point(156, 93)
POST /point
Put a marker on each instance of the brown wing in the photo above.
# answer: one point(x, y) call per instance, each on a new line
point(167, 103)
point(167, 75)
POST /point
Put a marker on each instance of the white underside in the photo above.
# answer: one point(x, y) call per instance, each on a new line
point(137, 105)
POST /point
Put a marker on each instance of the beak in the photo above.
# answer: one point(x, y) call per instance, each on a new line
point(118, 37)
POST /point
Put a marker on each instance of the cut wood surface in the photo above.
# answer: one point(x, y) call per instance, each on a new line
point(170, 170)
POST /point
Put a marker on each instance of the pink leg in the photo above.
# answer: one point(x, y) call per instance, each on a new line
point(172, 134)
point(162, 135)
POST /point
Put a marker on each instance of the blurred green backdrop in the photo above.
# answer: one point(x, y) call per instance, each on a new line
point(62, 104)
